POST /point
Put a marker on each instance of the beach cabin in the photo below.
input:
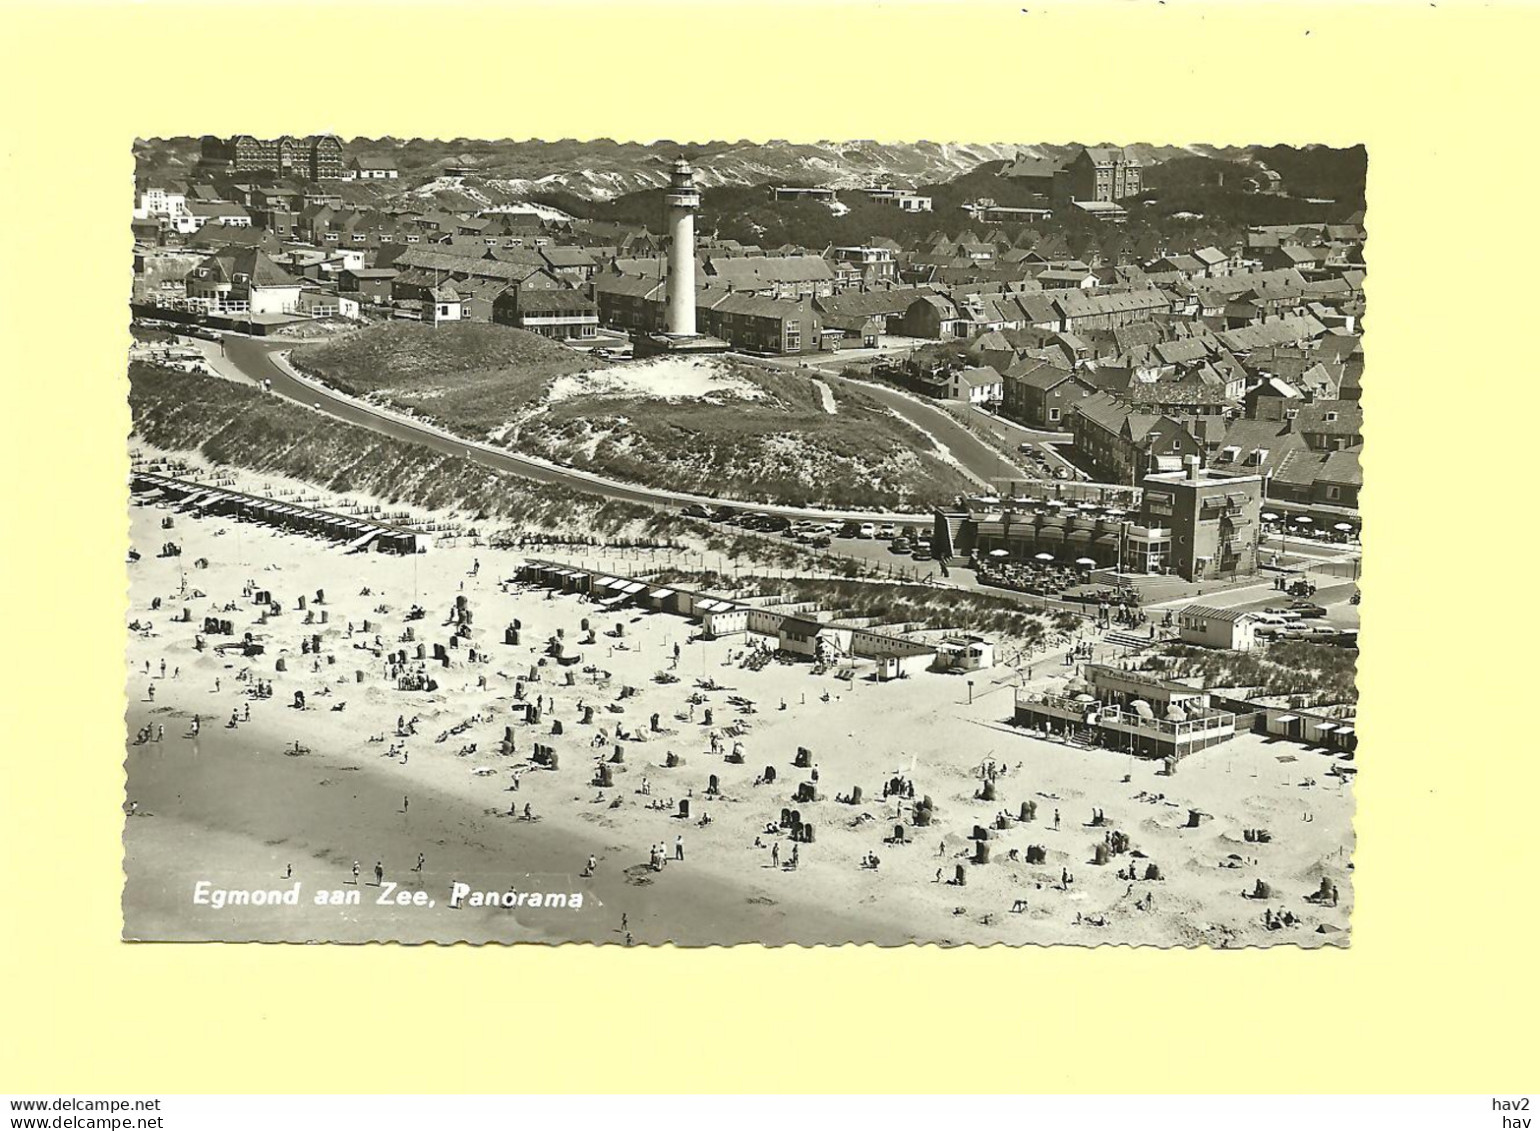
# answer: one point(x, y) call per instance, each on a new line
point(803, 637)
point(1209, 627)
point(722, 618)
point(964, 654)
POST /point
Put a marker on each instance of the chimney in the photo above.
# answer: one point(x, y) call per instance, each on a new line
point(1192, 463)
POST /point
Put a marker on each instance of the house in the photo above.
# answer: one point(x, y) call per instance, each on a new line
point(864, 266)
point(560, 313)
point(1209, 627)
point(318, 157)
point(1062, 278)
point(1034, 174)
point(975, 385)
point(1293, 256)
point(242, 281)
point(770, 276)
point(1330, 425)
point(1104, 210)
point(1187, 265)
point(631, 302)
point(1215, 262)
point(933, 315)
point(368, 284)
point(1331, 479)
point(324, 302)
point(1123, 445)
point(367, 168)
point(797, 194)
point(1100, 174)
point(441, 304)
point(220, 212)
point(761, 325)
point(1038, 394)
point(574, 264)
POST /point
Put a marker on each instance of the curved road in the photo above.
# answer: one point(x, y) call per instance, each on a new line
point(254, 359)
point(979, 459)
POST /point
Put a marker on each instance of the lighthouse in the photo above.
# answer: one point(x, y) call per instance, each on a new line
point(681, 204)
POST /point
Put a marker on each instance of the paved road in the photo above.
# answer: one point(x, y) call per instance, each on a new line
point(980, 459)
point(254, 359)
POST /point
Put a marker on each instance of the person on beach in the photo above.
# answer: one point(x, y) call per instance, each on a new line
point(152, 693)
point(355, 871)
point(406, 803)
point(379, 873)
point(775, 855)
point(679, 848)
point(421, 860)
point(1055, 820)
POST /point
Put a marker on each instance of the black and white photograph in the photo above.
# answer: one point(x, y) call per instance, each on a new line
point(743, 542)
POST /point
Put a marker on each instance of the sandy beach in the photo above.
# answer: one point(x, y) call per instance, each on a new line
point(290, 796)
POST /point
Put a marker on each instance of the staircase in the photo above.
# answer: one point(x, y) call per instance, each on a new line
point(1128, 640)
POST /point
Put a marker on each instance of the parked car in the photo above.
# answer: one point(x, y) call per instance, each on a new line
point(887, 531)
point(695, 510)
point(850, 530)
point(900, 546)
point(922, 554)
point(866, 530)
point(1308, 610)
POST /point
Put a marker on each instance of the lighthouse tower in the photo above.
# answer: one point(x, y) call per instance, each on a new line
point(681, 203)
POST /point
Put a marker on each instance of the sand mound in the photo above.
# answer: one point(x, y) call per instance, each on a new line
point(660, 379)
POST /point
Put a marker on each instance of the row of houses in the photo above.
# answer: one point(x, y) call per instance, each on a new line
point(799, 628)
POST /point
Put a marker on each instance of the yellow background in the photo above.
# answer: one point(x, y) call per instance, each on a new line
point(1437, 991)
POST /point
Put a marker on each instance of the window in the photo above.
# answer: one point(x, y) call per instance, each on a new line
point(1333, 492)
point(1053, 414)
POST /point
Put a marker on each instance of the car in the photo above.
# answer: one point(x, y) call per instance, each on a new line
point(900, 546)
point(1308, 610)
point(1282, 612)
point(887, 531)
point(922, 554)
point(849, 530)
point(695, 510)
point(820, 541)
point(867, 530)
